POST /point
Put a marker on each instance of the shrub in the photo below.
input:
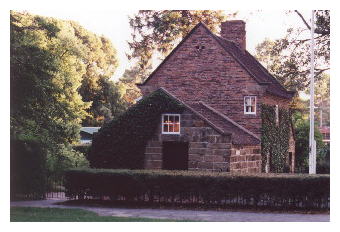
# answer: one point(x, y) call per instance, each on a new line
point(83, 148)
point(302, 146)
point(121, 143)
point(201, 188)
point(28, 170)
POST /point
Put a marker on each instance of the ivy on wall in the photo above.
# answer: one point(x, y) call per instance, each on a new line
point(121, 143)
point(275, 138)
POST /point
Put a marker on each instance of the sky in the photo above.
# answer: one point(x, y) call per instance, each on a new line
point(114, 25)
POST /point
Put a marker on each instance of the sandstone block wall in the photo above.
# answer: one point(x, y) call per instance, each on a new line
point(245, 159)
point(208, 150)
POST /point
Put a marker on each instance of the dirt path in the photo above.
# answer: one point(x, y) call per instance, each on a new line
point(199, 215)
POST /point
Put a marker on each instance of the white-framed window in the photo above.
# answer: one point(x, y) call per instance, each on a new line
point(250, 105)
point(171, 123)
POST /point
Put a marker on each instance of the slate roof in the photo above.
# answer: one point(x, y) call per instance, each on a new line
point(245, 59)
point(254, 68)
point(220, 122)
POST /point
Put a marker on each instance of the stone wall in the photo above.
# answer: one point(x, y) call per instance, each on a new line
point(208, 149)
point(245, 159)
point(210, 75)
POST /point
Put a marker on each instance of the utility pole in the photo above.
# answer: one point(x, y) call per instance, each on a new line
point(312, 143)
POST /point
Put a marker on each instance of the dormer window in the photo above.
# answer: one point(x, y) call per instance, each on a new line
point(171, 124)
point(250, 105)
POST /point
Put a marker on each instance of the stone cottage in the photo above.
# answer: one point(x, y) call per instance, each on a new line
point(222, 87)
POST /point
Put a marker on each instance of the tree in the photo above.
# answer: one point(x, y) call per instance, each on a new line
point(288, 58)
point(160, 31)
point(100, 60)
point(45, 76)
point(128, 82)
point(50, 61)
point(107, 103)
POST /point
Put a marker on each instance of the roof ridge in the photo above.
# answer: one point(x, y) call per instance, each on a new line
point(229, 119)
point(194, 111)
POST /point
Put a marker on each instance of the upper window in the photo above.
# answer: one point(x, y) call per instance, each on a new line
point(170, 123)
point(250, 105)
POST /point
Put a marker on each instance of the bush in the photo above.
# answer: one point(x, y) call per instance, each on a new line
point(283, 191)
point(302, 146)
point(63, 158)
point(28, 170)
point(83, 148)
point(121, 143)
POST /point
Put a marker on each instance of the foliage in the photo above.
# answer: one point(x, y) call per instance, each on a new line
point(99, 58)
point(33, 214)
point(128, 81)
point(83, 148)
point(63, 158)
point(275, 137)
point(107, 103)
point(121, 143)
point(201, 188)
point(161, 30)
point(288, 58)
point(58, 69)
point(28, 169)
point(302, 146)
point(45, 76)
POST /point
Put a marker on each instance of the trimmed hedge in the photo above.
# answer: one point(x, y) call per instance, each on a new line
point(283, 191)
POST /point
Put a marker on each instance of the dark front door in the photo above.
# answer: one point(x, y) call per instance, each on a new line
point(175, 155)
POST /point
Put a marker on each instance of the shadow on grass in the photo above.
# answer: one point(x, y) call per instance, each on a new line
point(31, 214)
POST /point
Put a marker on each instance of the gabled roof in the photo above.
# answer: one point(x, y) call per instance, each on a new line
point(220, 122)
point(245, 59)
point(89, 130)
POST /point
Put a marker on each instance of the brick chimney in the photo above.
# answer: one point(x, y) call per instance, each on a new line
point(235, 31)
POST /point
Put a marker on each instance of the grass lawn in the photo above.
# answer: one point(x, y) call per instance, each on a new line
point(31, 214)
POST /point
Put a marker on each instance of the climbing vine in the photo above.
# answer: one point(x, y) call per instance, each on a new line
point(275, 138)
point(121, 143)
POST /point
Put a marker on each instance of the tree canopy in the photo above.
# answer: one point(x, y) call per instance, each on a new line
point(60, 79)
point(160, 31)
point(289, 58)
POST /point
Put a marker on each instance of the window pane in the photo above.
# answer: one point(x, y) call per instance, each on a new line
point(177, 119)
point(253, 101)
point(171, 128)
point(165, 118)
point(171, 118)
point(165, 128)
point(176, 127)
point(252, 109)
point(247, 99)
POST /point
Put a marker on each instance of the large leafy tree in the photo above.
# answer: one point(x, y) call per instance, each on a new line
point(45, 76)
point(59, 77)
point(100, 61)
point(157, 32)
point(289, 58)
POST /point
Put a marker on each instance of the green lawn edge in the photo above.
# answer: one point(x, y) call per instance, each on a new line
point(36, 214)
